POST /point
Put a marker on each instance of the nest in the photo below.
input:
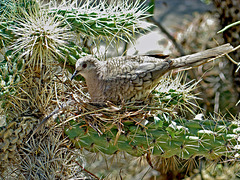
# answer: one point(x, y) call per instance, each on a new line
point(73, 104)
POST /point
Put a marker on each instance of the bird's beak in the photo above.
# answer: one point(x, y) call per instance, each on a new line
point(74, 74)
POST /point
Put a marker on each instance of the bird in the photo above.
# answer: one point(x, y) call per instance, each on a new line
point(132, 78)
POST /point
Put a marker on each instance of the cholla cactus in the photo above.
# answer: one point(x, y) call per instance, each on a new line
point(163, 136)
point(38, 38)
point(45, 35)
point(118, 19)
point(46, 39)
point(174, 94)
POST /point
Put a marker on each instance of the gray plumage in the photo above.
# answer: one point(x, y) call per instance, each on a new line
point(131, 78)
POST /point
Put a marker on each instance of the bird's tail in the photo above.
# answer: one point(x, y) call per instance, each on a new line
point(202, 57)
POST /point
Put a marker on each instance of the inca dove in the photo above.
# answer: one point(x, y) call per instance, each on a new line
point(133, 77)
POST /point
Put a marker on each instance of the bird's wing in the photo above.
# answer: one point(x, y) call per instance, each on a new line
point(134, 66)
point(131, 67)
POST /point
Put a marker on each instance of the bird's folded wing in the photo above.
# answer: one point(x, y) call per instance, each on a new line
point(131, 67)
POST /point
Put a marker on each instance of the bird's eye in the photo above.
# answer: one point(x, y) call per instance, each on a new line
point(84, 65)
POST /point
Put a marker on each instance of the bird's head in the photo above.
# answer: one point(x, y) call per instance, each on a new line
point(85, 66)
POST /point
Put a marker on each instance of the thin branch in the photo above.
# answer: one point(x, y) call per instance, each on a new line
point(178, 46)
point(87, 171)
point(229, 57)
point(229, 26)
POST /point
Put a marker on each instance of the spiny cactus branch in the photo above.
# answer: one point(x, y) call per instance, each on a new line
point(162, 136)
point(117, 19)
